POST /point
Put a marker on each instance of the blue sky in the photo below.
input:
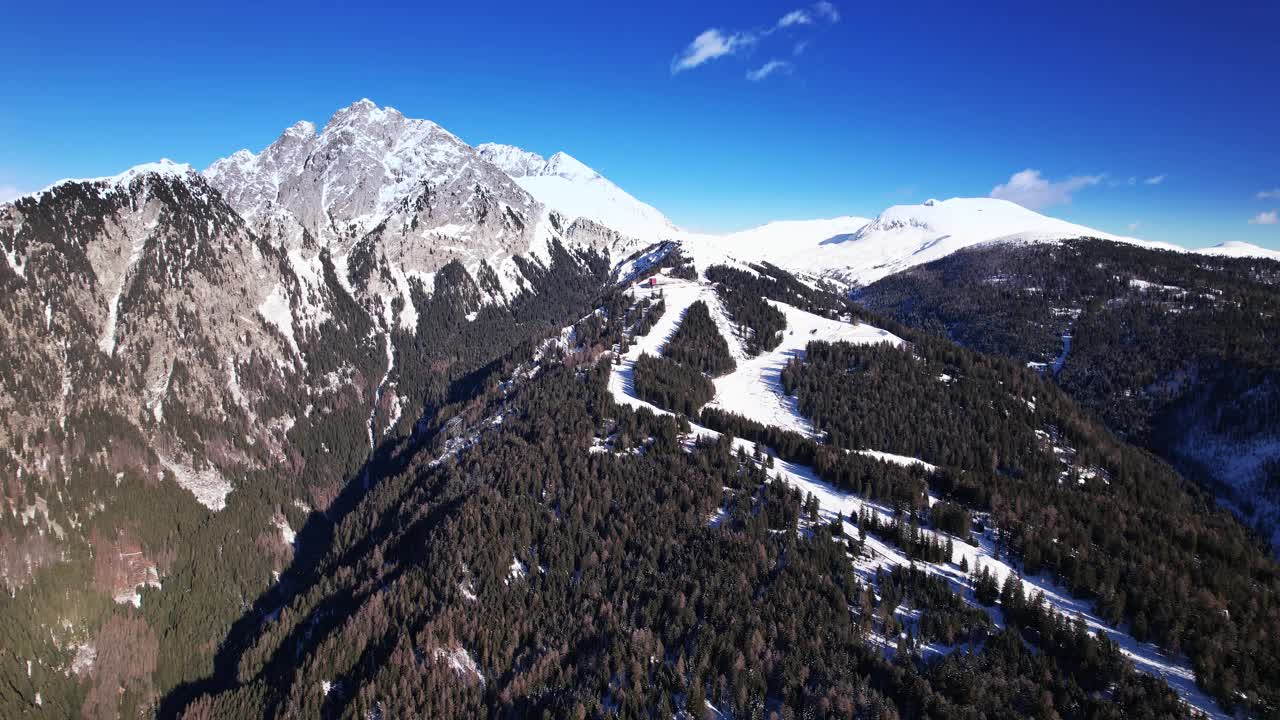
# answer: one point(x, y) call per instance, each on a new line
point(864, 105)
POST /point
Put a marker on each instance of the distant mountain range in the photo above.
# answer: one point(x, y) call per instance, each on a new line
point(372, 168)
point(369, 209)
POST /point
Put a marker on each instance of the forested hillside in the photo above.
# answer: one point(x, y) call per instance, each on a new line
point(120, 586)
point(1174, 351)
point(444, 592)
point(739, 600)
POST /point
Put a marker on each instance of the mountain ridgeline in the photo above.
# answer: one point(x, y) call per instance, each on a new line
point(372, 424)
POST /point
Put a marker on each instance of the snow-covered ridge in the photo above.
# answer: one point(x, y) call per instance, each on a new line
point(1237, 249)
point(514, 161)
point(795, 245)
point(164, 167)
point(907, 235)
point(857, 251)
point(565, 184)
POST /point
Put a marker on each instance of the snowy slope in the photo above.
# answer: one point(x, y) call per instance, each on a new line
point(907, 235)
point(754, 391)
point(852, 250)
point(564, 184)
point(1240, 249)
point(754, 388)
point(164, 168)
point(789, 244)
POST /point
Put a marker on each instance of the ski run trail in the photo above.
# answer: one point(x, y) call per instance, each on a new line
point(754, 390)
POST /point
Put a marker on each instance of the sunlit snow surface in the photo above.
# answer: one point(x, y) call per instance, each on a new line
point(1235, 248)
point(754, 390)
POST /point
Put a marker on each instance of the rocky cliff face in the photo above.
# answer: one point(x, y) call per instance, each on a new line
point(137, 297)
point(280, 314)
point(391, 199)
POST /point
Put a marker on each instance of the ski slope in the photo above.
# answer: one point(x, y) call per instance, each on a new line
point(754, 390)
point(878, 554)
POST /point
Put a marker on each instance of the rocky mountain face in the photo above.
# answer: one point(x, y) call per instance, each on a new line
point(196, 363)
point(134, 298)
point(391, 199)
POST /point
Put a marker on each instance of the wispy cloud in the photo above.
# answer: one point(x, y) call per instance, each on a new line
point(1032, 190)
point(715, 43)
point(1269, 194)
point(1265, 218)
point(769, 68)
point(827, 11)
point(1133, 226)
point(708, 46)
point(795, 17)
point(1154, 180)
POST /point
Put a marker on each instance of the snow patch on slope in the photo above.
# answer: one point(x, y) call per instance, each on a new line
point(565, 184)
point(107, 343)
point(461, 662)
point(277, 311)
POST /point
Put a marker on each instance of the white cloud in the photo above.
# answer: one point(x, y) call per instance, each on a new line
point(769, 68)
point(1269, 194)
point(716, 43)
point(1031, 190)
point(710, 45)
point(1133, 226)
point(819, 11)
point(795, 17)
point(1155, 179)
point(1265, 218)
point(9, 192)
point(827, 10)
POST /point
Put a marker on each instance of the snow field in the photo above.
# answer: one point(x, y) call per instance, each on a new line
point(754, 389)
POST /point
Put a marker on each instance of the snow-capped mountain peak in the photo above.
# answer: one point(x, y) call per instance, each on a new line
point(564, 165)
point(985, 218)
point(370, 167)
point(514, 161)
point(567, 185)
